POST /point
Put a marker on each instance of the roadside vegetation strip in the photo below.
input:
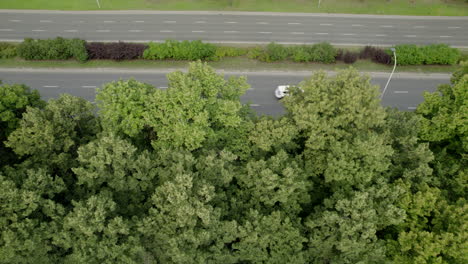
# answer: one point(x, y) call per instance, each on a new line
point(174, 54)
point(379, 7)
point(62, 49)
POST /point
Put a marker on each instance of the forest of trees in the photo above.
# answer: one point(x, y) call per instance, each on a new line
point(189, 174)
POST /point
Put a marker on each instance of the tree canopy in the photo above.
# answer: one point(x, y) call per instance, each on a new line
point(189, 174)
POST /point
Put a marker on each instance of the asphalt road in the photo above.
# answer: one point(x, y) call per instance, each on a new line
point(233, 27)
point(404, 91)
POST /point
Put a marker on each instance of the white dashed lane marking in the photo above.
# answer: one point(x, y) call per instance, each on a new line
point(321, 33)
point(453, 27)
point(138, 21)
point(109, 21)
point(400, 92)
point(71, 30)
point(349, 34)
point(198, 31)
point(6, 29)
point(380, 35)
point(45, 21)
point(445, 36)
point(200, 22)
point(419, 27)
point(326, 24)
point(263, 23)
point(135, 30)
point(15, 20)
point(411, 107)
point(386, 26)
point(88, 86)
point(50, 86)
point(231, 31)
point(264, 32)
point(294, 23)
point(230, 22)
point(170, 22)
point(357, 25)
point(410, 36)
point(166, 31)
point(103, 30)
point(38, 30)
point(254, 105)
point(297, 33)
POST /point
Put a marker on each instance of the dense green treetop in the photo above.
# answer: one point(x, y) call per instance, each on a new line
point(189, 174)
point(14, 100)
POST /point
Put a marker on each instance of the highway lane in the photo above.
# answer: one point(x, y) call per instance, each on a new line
point(404, 92)
point(233, 27)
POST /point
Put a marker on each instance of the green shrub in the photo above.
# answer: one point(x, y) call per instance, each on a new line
point(300, 54)
point(7, 50)
point(409, 54)
point(185, 50)
point(431, 54)
point(322, 52)
point(77, 48)
point(52, 49)
point(157, 51)
point(274, 52)
point(224, 51)
point(440, 54)
point(255, 53)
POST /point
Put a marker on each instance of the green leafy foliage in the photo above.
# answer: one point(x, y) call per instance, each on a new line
point(444, 125)
point(270, 239)
point(409, 54)
point(29, 217)
point(52, 49)
point(189, 174)
point(180, 50)
point(337, 120)
point(7, 50)
point(14, 100)
point(226, 51)
point(321, 52)
point(50, 136)
point(458, 74)
point(275, 52)
point(122, 105)
point(188, 114)
point(113, 164)
point(93, 233)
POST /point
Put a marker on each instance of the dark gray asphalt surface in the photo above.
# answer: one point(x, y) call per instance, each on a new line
point(230, 28)
point(404, 93)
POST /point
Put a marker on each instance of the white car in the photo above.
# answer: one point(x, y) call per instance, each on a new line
point(281, 91)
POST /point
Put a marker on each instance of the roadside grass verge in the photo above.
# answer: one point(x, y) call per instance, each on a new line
point(238, 63)
point(380, 7)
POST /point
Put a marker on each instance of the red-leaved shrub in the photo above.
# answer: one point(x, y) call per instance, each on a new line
point(376, 55)
point(115, 51)
point(350, 57)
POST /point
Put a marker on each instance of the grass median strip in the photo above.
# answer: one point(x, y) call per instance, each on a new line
point(394, 7)
point(227, 64)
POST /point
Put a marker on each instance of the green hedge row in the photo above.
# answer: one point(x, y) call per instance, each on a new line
point(322, 52)
point(7, 50)
point(63, 49)
point(53, 49)
point(184, 50)
point(431, 54)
